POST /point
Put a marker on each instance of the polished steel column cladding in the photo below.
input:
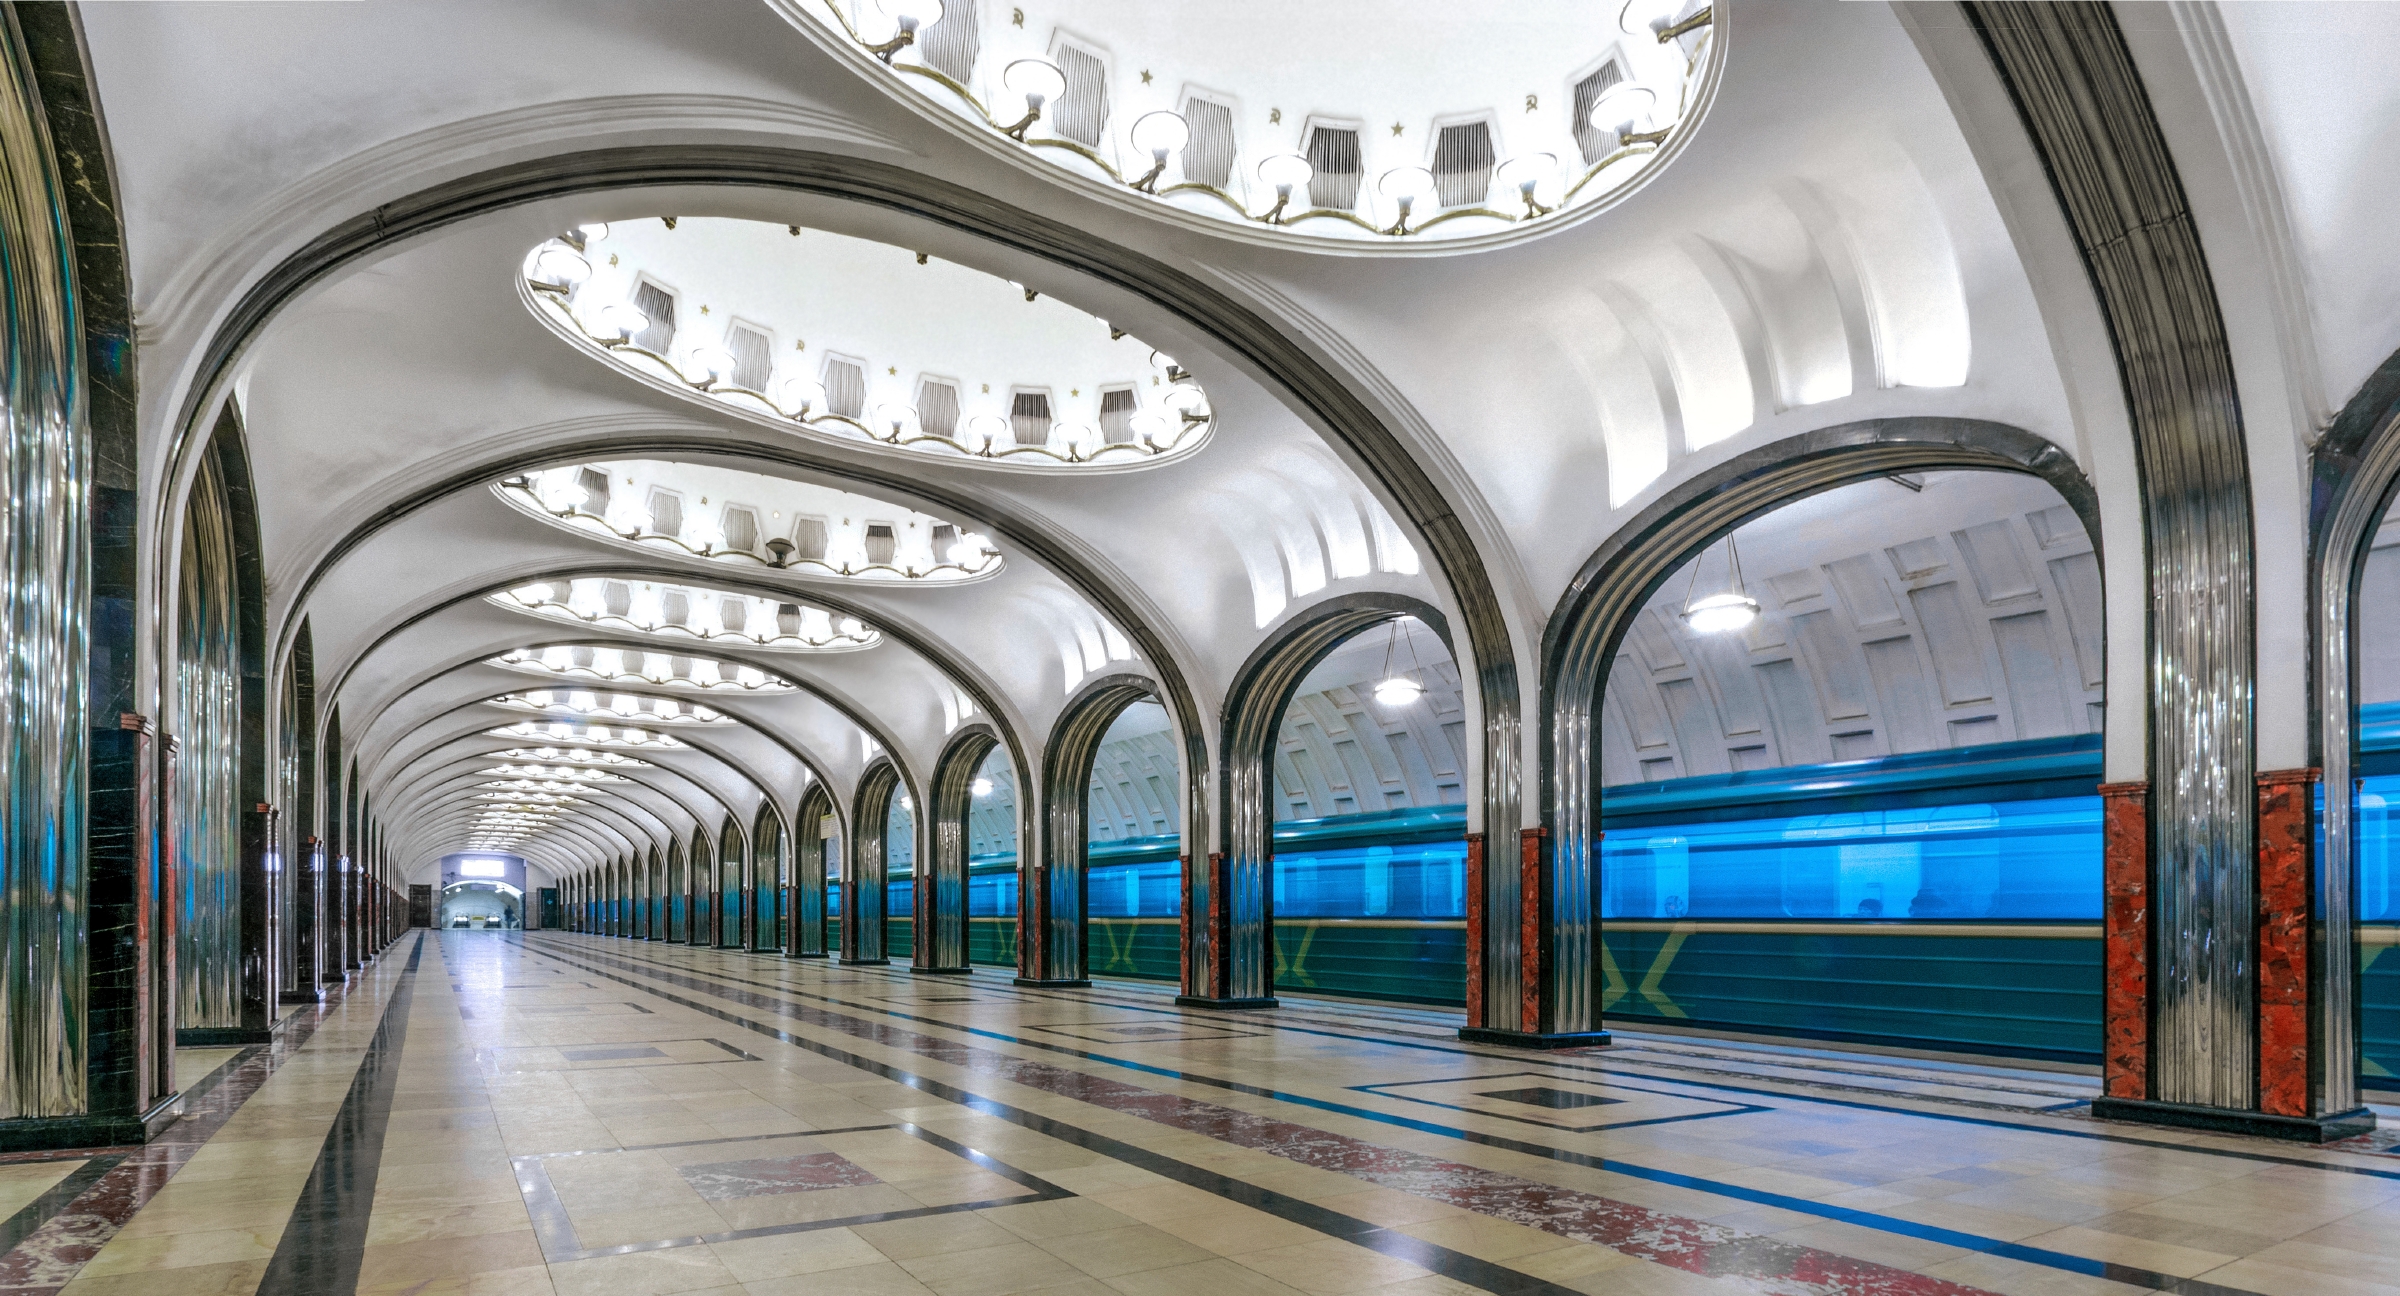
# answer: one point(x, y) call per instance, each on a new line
point(941, 872)
point(1056, 886)
point(205, 717)
point(863, 881)
point(2357, 471)
point(1596, 612)
point(733, 885)
point(2082, 100)
point(1254, 709)
point(816, 829)
point(44, 565)
point(770, 873)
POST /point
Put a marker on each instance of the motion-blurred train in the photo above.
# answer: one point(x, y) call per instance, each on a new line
point(1944, 900)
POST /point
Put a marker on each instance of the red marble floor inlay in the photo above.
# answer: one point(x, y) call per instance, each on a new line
point(2125, 918)
point(54, 1253)
point(1764, 1264)
point(770, 1176)
point(2286, 836)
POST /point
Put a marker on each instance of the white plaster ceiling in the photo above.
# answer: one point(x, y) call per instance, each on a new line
point(1831, 246)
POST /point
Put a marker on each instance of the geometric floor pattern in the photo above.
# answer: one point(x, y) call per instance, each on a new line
point(504, 1112)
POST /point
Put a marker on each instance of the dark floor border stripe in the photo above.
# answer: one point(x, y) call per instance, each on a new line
point(1441, 1260)
point(1565, 1063)
point(1972, 1242)
point(325, 1244)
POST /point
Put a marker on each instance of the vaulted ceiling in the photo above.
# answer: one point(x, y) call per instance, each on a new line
point(330, 212)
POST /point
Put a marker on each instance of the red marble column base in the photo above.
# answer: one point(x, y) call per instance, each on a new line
point(1216, 973)
point(2286, 842)
point(1533, 908)
point(1475, 944)
point(2125, 931)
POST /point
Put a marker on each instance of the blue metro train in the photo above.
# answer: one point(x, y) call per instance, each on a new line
point(1946, 900)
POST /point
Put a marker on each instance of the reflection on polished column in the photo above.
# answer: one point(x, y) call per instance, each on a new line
point(863, 882)
point(818, 857)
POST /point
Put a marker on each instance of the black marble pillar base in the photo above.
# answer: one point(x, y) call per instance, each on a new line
point(49, 1133)
point(1203, 1001)
point(1533, 1040)
point(1056, 983)
point(2223, 1120)
point(222, 1036)
point(934, 971)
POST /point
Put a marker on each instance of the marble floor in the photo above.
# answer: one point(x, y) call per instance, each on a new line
point(510, 1112)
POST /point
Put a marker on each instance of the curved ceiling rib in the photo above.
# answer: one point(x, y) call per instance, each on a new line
point(912, 194)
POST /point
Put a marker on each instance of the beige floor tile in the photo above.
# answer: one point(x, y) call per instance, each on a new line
point(21, 1184)
point(1035, 1221)
point(643, 1273)
point(881, 1279)
point(1329, 1267)
point(752, 1260)
point(991, 1271)
point(1111, 1252)
point(183, 1250)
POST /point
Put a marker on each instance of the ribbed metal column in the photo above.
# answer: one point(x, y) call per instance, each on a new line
point(941, 872)
point(2090, 118)
point(863, 881)
point(1058, 884)
point(44, 556)
point(806, 900)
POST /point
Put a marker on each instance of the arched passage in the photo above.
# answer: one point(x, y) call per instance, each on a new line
point(941, 890)
point(863, 918)
point(1851, 760)
point(734, 908)
point(817, 858)
point(707, 913)
point(1550, 891)
point(1229, 955)
point(2343, 986)
point(1056, 910)
point(770, 865)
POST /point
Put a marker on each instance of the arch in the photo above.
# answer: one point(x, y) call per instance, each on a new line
point(805, 902)
point(1329, 402)
point(770, 869)
point(863, 915)
point(700, 867)
point(1229, 905)
point(676, 892)
point(300, 848)
point(1582, 637)
point(1052, 913)
point(2355, 468)
point(941, 892)
point(733, 887)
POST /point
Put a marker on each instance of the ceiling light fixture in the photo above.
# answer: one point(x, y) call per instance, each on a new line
point(1038, 81)
point(1529, 174)
point(983, 787)
point(1285, 171)
point(1406, 687)
point(1622, 109)
point(621, 320)
point(1156, 134)
point(1720, 613)
point(1406, 187)
point(910, 16)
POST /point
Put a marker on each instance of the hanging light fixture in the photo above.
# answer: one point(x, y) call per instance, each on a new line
point(1404, 688)
point(1285, 171)
point(1159, 134)
point(1720, 613)
point(1037, 81)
